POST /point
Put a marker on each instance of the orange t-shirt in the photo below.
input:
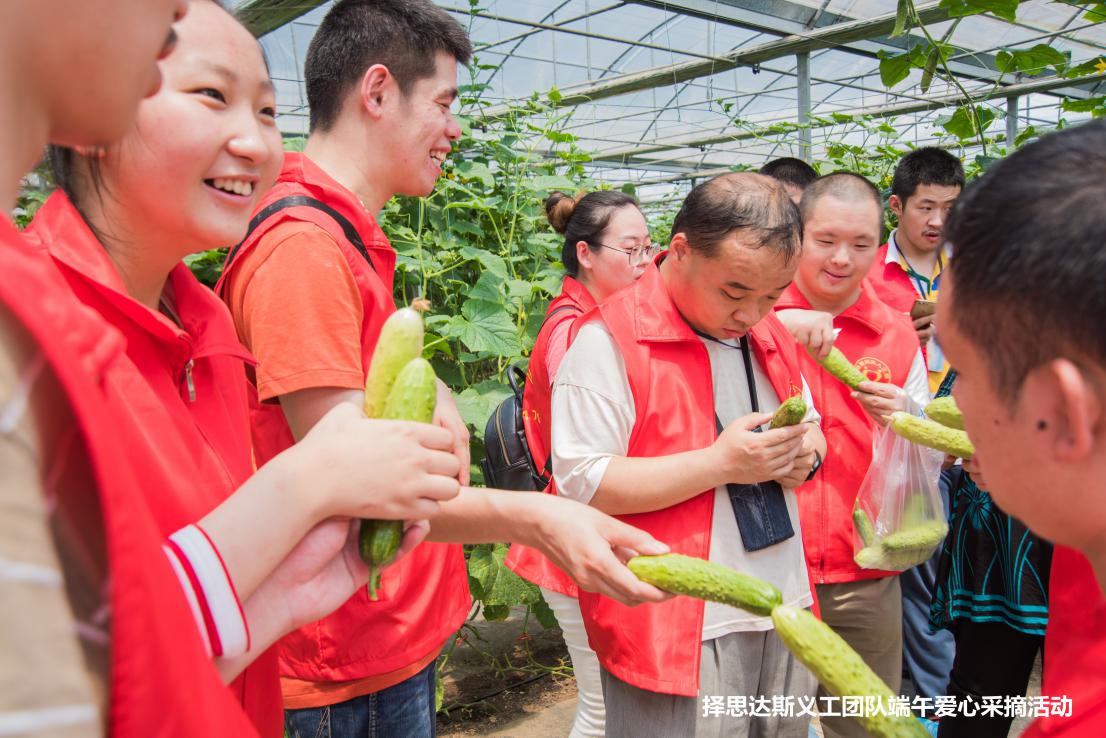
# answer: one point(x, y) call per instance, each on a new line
point(321, 347)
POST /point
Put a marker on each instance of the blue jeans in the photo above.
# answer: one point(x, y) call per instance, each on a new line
point(404, 710)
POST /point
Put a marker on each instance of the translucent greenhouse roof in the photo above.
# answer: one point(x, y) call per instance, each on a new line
point(661, 92)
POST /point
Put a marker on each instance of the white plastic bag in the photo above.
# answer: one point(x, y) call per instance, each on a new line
point(898, 518)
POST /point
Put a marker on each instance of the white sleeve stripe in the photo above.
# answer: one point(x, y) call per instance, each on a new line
point(218, 590)
point(18, 571)
point(22, 722)
point(189, 595)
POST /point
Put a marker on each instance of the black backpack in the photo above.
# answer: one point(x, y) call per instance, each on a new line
point(507, 462)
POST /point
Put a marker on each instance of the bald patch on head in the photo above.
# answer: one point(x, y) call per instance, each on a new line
point(754, 204)
point(846, 187)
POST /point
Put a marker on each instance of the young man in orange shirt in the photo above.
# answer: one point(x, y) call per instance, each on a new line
point(1021, 320)
point(925, 185)
point(309, 289)
point(830, 303)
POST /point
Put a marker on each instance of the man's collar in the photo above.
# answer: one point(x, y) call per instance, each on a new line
point(894, 254)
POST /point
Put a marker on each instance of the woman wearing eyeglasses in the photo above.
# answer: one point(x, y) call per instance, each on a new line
point(606, 248)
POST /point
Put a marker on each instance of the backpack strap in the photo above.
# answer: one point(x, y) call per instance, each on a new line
point(295, 201)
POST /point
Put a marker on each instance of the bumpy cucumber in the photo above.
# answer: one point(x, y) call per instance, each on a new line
point(791, 412)
point(400, 341)
point(944, 411)
point(836, 364)
point(924, 537)
point(877, 557)
point(932, 435)
point(412, 398)
point(863, 525)
point(694, 577)
point(842, 671)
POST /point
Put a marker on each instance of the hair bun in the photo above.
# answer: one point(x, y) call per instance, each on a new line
point(558, 210)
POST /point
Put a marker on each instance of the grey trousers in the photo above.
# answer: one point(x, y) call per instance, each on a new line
point(868, 615)
point(739, 665)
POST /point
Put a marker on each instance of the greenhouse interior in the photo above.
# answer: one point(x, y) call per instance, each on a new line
point(345, 348)
point(662, 94)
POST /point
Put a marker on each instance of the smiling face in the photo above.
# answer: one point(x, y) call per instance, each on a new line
point(840, 239)
point(922, 216)
point(726, 295)
point(206, 147)
point(422, 129)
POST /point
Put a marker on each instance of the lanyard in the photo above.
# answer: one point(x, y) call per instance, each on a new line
point(925, 292)
point(749, 378)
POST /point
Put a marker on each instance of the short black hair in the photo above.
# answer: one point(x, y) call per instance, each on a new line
point(1029, 255)
point(583, 218)
point(846, 186)
point(790, 170)
point(403, 35)
point(928, 165)
point(740, 201)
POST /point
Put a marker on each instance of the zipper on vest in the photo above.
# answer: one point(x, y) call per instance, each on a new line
point(188, 380)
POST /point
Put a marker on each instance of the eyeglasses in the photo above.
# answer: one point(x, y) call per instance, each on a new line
point(638, 255)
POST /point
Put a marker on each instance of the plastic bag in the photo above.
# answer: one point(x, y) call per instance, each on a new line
point(898, 518)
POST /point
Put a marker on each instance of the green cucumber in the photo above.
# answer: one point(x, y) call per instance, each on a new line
point(878, 557)
point(706, 580)
point(842, 671)
point(922, 537)
point(836, 364)
point(400, 341)
point(944, 411)
point(791, 412)
point(932, 435)
point(413, 395)
point(863, 525)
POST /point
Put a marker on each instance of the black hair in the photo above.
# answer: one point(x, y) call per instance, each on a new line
point(845, 186)
point(928, 165)
point(583, 218)
point(740, 201)
point(403, 35)
point(1028, 257)
point(791, 171)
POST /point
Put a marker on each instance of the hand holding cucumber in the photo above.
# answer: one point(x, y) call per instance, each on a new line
point(396, 470)
point(592, 548)
point(745, 457)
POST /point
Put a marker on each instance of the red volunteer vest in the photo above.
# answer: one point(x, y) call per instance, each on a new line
point(162, 681)
point(656, 646)
point(883, 343)
point(1081, 679)
point(184, 391)
point(891, 283)
point(425, 595)
point(1076, 617)
point(573, 301)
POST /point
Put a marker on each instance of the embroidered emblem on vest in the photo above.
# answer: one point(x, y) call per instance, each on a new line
point(874, 369)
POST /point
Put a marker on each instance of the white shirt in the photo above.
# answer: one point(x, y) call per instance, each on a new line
point(593, 415)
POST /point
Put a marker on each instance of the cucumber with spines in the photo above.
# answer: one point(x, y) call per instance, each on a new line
point(706, 580)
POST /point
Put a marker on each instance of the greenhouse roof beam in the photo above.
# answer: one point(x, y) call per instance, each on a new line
point(707, 58)
point(882, 111)
point(777, 17)
point(823, 38)
point(264, 16)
